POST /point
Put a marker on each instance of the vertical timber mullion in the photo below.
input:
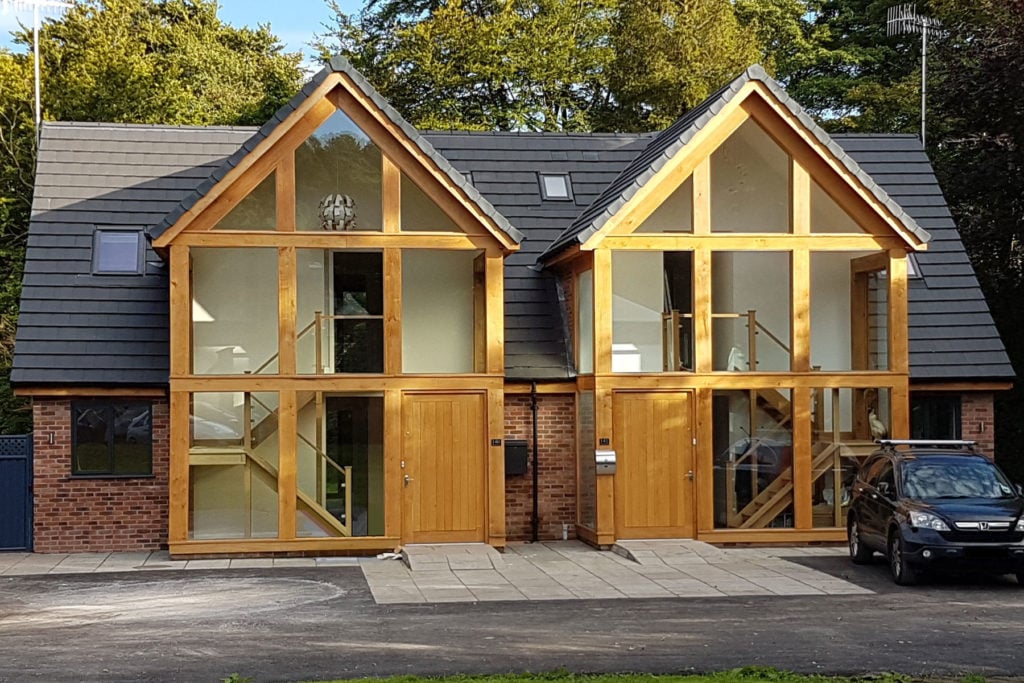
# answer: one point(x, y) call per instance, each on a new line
point(800, 406)
point(800, 315)
point(284, 187)
point(287, 466)
point(391, 191)
point(393, 311)
point(602, 277)
point(287, 307)
point(702, 197)
point(494, 286)
point(702, 309)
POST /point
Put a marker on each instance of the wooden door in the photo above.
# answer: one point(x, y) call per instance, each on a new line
point(654, 485)
point(443, 451)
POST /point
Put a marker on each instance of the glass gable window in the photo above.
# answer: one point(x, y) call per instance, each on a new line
point(112, 439)
point(338, 173)
point(118, 252)
point(750, 183)
point(256, 211)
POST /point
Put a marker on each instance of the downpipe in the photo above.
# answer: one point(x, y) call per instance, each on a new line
point(535, 518)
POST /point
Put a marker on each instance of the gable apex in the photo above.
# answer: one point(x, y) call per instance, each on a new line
point(314, 91)
point(670, 142)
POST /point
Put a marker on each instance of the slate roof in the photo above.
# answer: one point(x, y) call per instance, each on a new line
point(79, 328)
point(670, 141)
point(89, 330)
point(340, 65)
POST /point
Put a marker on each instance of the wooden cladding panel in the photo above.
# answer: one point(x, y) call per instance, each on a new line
point(444, 438)
point(653, 492)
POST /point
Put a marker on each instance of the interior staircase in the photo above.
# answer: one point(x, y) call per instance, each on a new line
point(243, 450)
point(778, 495)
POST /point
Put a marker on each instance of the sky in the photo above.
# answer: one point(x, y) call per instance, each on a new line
point(293, 21)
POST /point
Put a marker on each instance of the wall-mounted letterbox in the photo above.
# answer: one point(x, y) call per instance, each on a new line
point(516, 457)
point(605, 460)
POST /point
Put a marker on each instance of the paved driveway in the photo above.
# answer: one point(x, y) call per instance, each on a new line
point(290, 624)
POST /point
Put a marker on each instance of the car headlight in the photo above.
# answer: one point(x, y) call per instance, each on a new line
point(926, 520)
point(1020, 524)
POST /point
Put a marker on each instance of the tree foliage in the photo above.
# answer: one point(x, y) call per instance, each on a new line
point(133, 61)
point(558, 65)
point(978, 102)
point(852, 76)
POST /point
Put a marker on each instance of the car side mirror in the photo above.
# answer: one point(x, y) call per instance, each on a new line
point(884, 489)
point(1019, 489)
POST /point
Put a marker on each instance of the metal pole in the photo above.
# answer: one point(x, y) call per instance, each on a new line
point(35, 51)
point(924, 77)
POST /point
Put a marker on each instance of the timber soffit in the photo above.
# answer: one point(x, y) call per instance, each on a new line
point(337, 64)
point(673, 139)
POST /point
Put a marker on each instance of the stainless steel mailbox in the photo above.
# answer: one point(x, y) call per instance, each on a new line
point(605, 461)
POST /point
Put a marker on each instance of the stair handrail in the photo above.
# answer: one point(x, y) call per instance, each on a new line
point(303, 332)
point(345, 471)
point(753, 326)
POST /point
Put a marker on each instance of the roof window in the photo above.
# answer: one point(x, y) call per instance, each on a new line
point(555, 186)
point(117, 252)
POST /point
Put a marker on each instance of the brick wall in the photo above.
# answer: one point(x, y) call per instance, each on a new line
point(556, 435)
point(977, 420)
point(91, 515)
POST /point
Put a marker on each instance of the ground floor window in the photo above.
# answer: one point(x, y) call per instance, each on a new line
point(935, 417)
point(111, 438)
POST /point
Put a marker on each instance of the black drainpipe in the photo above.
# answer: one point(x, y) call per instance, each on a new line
point(535, 519)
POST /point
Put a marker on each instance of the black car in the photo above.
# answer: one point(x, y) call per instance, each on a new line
point(936, 505)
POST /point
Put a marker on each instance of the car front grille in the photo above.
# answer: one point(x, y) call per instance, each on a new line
point(990, 536)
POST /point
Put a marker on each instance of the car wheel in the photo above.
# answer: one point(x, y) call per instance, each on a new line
point(902, 573)
point(859, 553)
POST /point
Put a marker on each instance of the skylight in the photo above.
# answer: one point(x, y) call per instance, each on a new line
point(555, 186)
point(117, 252)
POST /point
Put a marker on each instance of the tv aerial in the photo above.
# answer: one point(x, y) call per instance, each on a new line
point(53, 7)
point(903, 19)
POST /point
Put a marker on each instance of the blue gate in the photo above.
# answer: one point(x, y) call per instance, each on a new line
point(16, 492)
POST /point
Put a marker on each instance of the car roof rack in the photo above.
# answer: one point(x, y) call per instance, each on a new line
point(891, 444)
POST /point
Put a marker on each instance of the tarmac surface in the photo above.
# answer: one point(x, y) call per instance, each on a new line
point(288, 624)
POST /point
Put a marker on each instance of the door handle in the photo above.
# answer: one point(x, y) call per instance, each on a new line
point(689, 475)
point(407, 479)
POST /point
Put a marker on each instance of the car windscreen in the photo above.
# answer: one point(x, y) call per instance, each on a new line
point(954, 478)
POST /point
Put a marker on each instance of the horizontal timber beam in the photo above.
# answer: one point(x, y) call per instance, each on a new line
point(336, 240)
point(542, 388)
point(337, 383)
point(960, 386)
point(752, 380)
point(752, 242)
point(361, 545)
point(85, 392)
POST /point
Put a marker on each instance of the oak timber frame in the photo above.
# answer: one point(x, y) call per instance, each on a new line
point(883, 234)
point(477, 232)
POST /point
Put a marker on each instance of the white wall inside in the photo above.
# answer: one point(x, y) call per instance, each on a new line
point(751, 280)
point(234, 310)
point(437, 311)
point(749, 183)
point(638, 299)
point(831, 334)
point(826, 216)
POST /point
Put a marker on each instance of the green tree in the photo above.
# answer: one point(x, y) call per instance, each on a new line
point(17, 159)
point(978, 102)
point(852, 76)
point(560, 64)
point(132, 61)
